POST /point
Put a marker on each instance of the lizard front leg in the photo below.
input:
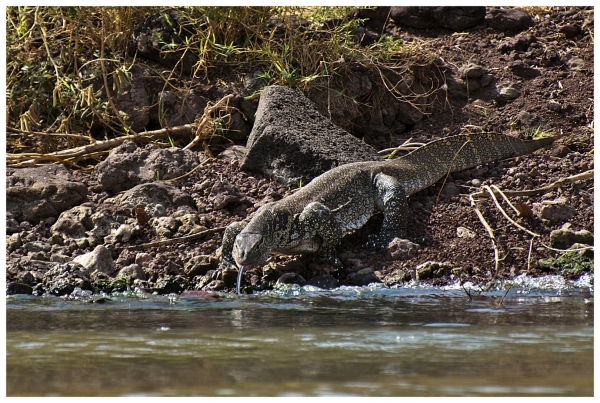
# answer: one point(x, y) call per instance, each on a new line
point(231, 232)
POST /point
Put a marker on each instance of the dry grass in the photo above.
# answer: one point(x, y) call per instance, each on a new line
point(60, 61)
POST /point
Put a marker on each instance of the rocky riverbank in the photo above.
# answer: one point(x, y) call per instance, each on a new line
point(151, 218)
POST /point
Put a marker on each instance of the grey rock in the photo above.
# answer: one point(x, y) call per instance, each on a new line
point(63, 278)
point(18, 288)
point(200, 265)
point(128, 165)
point(150, 194)
point(164, 227)
point(433, 269)
point(554, 211)
point(577, 64)
point(396, 277)
point(554, 106)
point(363, 277)
point(223, 194)
point(450, 189)
point(143, 259)
point(33, 194)
point(13, 242)
point(424, 17)
point(565, 237)
point(37, 246)
point(402, 249)
point(291, 278)
point(134, 99)
point(233, 153)
point(508, 19)
point(522, 70)
point(100, 259)
point(486, 80)
point(168, 26)
point(293, 142)
point(471, 70)
point(507, 93)
point(74, 223)
point(133, 271)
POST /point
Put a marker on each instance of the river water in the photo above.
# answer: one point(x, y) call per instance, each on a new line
point(370, 341)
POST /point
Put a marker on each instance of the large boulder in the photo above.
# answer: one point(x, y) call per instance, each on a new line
point(33, 194)
point(129, 165)
point(292, 142)
point(424, 17)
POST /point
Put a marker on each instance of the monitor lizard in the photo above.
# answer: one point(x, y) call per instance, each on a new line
point(316, 217)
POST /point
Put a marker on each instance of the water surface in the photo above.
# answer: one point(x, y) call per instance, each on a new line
point(369, 341)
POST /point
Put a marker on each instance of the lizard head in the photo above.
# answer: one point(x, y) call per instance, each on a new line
point(250, 248)
point(267, 230)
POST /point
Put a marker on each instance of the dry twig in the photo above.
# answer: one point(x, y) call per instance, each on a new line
point(171, 241)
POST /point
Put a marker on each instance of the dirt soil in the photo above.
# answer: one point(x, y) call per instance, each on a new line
point(559, 100)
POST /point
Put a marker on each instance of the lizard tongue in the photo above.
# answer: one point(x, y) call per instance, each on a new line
point(239, 279)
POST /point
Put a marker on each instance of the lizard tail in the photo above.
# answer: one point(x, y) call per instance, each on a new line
point(456, 153)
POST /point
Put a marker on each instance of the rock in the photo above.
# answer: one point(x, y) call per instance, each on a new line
point(100, 259)
point(576, 63)
point(425, 17)
point(375, 18)
point(200, 265)
point(133, 99)
point(433, 269)
point(33, 194)
point(293, 142)
point(571, 31)
point(565, 237)
point(560, 151)
point(223, 194)
point(396, 277)
point(522, 70)
point(527, 119)
point(171, 284)
point(508, 19)
point(233, 153)
point(128, 165)
point(463, 232)
point(162, 28)
point(486, 80)
point(365, 36)
point(325, 282)
point(555, 106)
point(63, 278)
point(143, 259)
point(507, 93)
point(450, 189)
point(133, 271)
point(13, 242)
point(402, 249)
point(12, 225)
point(471, 70)
point(155, 193)
point(18, 288)
point(554, 211)
point(363, 277)
point(291, 278)
point(74, 223)
point(37, 246)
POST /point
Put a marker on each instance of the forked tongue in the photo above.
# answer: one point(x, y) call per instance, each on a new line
point(239, 280)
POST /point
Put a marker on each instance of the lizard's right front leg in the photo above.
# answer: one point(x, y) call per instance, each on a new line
point(231, 232)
